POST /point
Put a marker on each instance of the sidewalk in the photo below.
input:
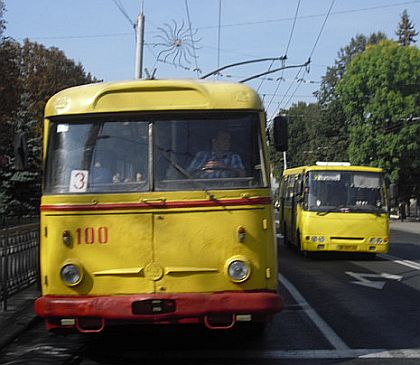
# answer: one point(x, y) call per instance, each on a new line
point(19, 315)
point(409, 225)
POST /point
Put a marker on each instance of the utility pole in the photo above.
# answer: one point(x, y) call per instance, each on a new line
point(139, 44)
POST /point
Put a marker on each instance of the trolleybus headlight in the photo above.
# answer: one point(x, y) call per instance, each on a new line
point(238, 270)
point(71, 274)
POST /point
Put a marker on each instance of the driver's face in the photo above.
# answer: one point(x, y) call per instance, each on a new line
point(222, 142)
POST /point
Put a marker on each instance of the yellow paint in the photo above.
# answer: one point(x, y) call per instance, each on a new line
point(155, 249)
point(342, 231)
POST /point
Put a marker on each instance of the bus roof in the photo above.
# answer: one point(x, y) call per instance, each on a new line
point(152, 95)
point(303, 169)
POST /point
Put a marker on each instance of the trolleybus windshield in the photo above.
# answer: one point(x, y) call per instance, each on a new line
point(345, 191)
point(154, 153)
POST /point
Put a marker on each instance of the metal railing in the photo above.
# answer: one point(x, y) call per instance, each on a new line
point(19, 263)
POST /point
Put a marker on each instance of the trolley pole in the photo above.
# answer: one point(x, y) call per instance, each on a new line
point(139, 44)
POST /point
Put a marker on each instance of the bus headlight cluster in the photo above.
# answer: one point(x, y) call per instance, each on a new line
point(315, 239)
point(238, 270)
point(71, 274)
point(378, 240)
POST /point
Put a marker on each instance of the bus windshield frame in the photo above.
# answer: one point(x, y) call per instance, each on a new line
point(345, 191)
point(123, 153)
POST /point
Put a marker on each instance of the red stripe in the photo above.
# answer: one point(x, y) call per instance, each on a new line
point(158, 204)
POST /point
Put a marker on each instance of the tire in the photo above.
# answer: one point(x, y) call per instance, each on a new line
point(299, 245)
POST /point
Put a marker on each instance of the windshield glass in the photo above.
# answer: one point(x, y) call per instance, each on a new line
point(351, 191)
point(215, 152)
point(193, 152)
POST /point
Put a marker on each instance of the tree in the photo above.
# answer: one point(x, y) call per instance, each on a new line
point(405, 30)
point(301, 118)
point(2, 21)
point(380, 94)
point(42, 73)
point(332, 128)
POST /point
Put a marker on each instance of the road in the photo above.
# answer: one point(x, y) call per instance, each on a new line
point(339, 309)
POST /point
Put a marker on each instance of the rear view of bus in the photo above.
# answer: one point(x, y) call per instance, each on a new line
point(156, 207)
point(335, 207)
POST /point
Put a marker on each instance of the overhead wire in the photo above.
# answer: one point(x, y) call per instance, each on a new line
point(121, 8)
point(380, 7)
point(197, 69)
point(300, 80)
point(287, 48)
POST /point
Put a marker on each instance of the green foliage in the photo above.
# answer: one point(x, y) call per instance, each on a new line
point(332, 128)
point(302, 121)
point(2, 21)
point(380, 92)
point(29, 75)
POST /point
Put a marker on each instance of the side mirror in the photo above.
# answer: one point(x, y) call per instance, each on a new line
point(393, 191)
point(21, 152)
point(280, 136)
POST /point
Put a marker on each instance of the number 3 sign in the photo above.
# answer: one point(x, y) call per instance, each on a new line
point(78, 181)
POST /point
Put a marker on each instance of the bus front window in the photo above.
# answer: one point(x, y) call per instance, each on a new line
point(351, 191)
point(211, 151)
point(191, 151)
point(97, 156)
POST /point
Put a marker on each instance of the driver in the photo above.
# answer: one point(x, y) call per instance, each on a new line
point(219, 162)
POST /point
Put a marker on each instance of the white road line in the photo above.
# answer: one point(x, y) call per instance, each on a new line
point(325, 329)
point(397, 260)
point(283, 354)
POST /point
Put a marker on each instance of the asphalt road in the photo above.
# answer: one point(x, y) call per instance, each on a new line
point(339, 309)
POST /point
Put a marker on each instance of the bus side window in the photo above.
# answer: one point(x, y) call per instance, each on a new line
point(289, 190)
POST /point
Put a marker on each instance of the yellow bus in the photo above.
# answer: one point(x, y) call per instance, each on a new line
point(157, 207)
point(335, 207)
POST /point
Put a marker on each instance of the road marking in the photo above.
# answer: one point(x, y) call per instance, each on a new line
point(280, 354)
point(362, 279)
point(325, 329)
point(411, 264)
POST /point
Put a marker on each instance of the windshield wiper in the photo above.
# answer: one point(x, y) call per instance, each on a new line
point(366, 210)
point(185, 173)
point(337, 209)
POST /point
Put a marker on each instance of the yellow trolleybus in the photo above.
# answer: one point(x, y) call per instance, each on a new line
point(335, 207)
point(157, 207)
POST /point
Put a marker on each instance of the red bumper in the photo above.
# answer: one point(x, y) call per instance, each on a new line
point(158, 308)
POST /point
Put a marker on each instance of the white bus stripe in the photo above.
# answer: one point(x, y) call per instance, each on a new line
point(325, 329)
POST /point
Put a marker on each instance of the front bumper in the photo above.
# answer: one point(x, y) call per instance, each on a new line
point(214, 310)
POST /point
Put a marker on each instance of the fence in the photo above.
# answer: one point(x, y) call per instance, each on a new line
point(19, 263)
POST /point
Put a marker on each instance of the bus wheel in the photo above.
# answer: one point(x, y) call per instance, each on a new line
point(299, 245)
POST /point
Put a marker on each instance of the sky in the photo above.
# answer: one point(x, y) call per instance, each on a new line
point(100, 35)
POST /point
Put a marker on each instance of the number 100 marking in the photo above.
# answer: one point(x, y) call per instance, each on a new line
point(89, 235)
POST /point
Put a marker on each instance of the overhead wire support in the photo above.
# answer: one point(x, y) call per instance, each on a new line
point(282, 58)
point(306, 64)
